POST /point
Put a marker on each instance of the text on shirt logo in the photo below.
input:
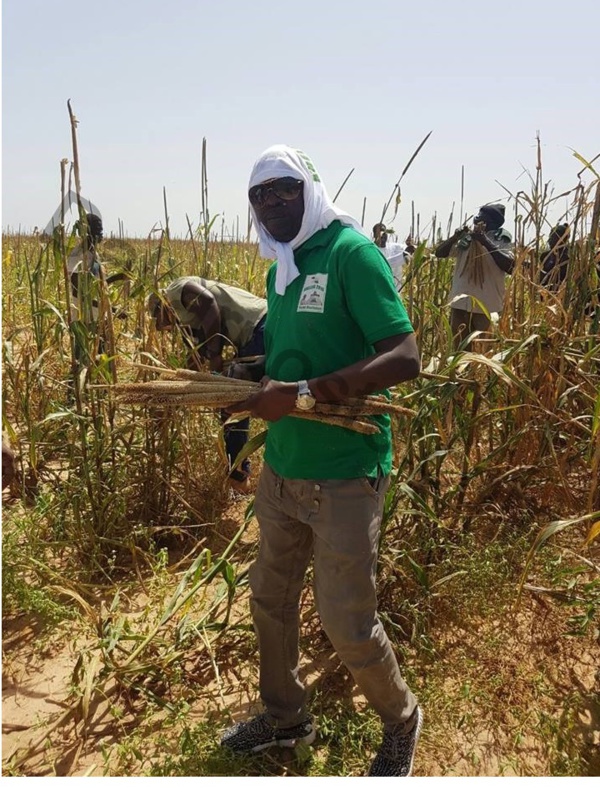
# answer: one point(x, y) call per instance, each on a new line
point(312, 297)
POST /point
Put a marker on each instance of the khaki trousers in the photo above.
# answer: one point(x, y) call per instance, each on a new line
point(337, 522)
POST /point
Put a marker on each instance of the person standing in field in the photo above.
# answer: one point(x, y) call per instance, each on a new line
point(555, 260)
point(85, 304)
point(335, 329)
point(395, 254)
point(210, 316)
point(484, 257)
point(563, 255)
point(85, 249)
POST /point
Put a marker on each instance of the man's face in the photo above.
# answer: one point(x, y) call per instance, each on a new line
point(95, 228)
point(490, 222)
point(557, 237)
point(279, 206)
point(380, 235)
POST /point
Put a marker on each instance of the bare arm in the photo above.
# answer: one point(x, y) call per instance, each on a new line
point(118, 276)
point(443, 249)
point(202, 304)
point(396, 360)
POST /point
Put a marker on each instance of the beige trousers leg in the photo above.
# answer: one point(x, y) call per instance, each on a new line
point(337, 521)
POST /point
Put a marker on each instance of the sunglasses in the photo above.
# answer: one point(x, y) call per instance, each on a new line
point(283, 188)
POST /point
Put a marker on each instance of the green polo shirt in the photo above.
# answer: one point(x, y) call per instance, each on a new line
point(343, 301)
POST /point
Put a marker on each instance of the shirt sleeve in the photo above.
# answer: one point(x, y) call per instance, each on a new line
point(370, 293)
point(504, 241)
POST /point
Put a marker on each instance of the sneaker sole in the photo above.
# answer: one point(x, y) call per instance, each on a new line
point(309, 739)
point(417, 734)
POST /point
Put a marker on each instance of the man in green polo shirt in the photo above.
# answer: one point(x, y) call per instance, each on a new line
point(335, 328)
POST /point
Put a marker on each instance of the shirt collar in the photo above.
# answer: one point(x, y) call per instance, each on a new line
point(321, 238)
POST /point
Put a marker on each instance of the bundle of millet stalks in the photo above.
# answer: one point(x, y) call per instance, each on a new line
point(185, 388)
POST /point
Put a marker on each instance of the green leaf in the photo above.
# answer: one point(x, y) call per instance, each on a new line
point(228, 573)
point(585, 162)
point(596, 417)
point(58, 415)
point(447, 578)
point(547, 532)
point(55, 311)
point(192, 575)
point(250, 447)
point(420, 573)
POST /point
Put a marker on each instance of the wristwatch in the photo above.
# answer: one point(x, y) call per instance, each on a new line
point(305, 400)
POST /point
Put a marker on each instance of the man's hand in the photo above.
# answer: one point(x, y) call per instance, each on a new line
point(443, 249)
point(274, 400)
point(503, 261)
point(247, 370)
point(478, 232)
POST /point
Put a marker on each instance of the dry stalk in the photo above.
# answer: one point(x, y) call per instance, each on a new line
point(341, 422)
point(195, 390)
point(212, 400)
point(192, 375)
point(362, 407)
point(199, 388)
point(216, 401)
point(474, 264)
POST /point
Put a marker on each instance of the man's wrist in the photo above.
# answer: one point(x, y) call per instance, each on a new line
point(305, 399)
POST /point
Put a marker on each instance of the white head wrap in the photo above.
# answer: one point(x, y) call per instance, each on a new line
point(281, 161)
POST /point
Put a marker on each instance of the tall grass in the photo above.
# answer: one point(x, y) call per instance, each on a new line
point(505, 441)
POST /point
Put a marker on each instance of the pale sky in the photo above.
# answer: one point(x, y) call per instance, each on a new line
point(354, 85)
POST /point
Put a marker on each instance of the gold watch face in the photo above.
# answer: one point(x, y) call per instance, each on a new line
point(305, 402)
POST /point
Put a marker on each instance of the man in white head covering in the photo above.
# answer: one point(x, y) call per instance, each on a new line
point(335, 329)
point(395, 254)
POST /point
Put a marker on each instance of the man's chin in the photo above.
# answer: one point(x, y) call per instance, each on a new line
point(281, 233)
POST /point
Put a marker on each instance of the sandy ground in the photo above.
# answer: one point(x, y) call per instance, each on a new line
point(37, 691)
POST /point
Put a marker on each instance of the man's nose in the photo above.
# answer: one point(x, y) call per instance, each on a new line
point(271, 199)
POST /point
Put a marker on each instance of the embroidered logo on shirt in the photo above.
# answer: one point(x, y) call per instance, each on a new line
point(312, 297)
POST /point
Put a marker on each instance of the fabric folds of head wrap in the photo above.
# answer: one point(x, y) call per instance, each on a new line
point(281, 161)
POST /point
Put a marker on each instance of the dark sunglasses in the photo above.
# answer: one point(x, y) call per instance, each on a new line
point(283, 188)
